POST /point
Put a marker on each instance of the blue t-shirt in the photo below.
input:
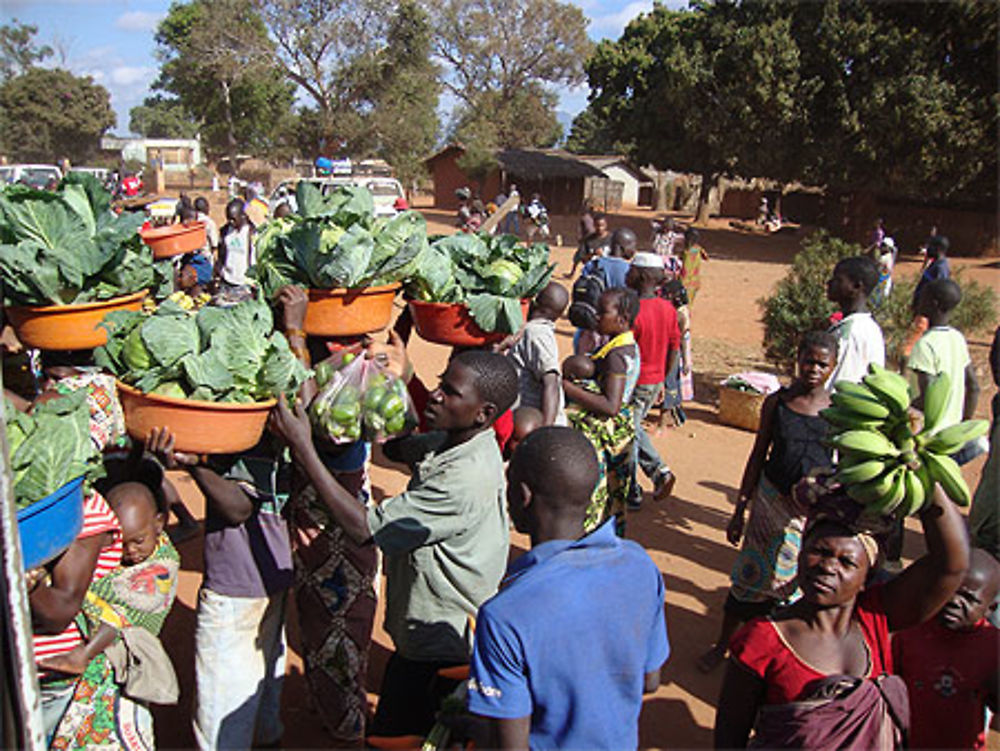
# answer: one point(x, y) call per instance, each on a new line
point(937, 269)
point(614, 269)
point(568, 640)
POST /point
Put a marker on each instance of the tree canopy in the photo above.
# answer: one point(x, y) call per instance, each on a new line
point(18, 50)
point(501, 59)
point(218, 65)
point(895, 98)
point(159, 117)
point(46, 115)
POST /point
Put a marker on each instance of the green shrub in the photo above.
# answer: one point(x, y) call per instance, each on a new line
point(975, 314)
point(798, 303)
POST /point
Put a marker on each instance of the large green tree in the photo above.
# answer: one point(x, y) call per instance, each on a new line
point(46, 115)
point(590, 134)
point(18, 49)
point(900, 98)
point(331, 49)
point(404, 97)
point(699, 90)
point(502, 59)
point(893, 98)
point(218, 64)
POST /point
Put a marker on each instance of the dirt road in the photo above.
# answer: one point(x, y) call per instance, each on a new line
point(685, 535)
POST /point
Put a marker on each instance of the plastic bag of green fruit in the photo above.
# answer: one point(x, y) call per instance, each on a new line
point(358, 399)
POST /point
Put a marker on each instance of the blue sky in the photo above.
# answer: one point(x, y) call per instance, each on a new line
point(112, 40)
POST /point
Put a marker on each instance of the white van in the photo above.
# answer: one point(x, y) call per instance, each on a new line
point(35, 175)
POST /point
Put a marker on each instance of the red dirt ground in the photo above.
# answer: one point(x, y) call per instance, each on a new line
point(685, 535)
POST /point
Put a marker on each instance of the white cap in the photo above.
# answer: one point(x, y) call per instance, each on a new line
point(647, 261)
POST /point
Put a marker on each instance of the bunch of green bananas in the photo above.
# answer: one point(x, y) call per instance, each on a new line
point(887, 459)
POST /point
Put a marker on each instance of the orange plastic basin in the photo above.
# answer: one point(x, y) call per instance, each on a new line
point(64, 327)
point(174, 239)
point(451, 324)
point(349, 312)
point(198, 427)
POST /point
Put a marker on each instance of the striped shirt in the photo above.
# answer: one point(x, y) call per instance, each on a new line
point(97, 518)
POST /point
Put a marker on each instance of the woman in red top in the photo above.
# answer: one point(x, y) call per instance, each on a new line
point(823, 647)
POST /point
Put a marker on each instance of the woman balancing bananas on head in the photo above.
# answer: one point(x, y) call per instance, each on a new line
point(817, 673)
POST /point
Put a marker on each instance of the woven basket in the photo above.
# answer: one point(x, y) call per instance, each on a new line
point(741, 409)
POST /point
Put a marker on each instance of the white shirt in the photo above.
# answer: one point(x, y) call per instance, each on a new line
point(237, 256)
point(859, 343)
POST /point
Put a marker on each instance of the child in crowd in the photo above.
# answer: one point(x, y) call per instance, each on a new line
point(239, 635)
point(535, 355)
point(789, 444)
point(235, 251)
point(949, 663)
point(240, 630)
point(942, 349)
point(604, 415)
point(679, 384)
point(539, 688)
point(692, 254)
point(538, 217)
point(659, 340)
point(202, 210)
point(136, 595)
point(594, 245)
point(526, 421)
point(445, 538)
point(884, 254)
point(859, 337)
point(936, 267)
point(578, 368)
point(666, 237)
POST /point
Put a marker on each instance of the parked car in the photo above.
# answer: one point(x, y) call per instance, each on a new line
point(35, 175)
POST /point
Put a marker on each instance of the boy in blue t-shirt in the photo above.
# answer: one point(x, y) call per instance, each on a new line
point(540, 687)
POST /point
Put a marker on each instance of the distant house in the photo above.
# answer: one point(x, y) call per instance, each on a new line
point(176, 154)
point(637, 185)
point(563, 180)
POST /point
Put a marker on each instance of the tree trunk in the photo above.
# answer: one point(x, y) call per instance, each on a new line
point(230, 127)
point(660, 202)
point(708, 181)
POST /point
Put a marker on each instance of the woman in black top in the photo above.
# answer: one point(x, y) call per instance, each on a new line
point(788, 445)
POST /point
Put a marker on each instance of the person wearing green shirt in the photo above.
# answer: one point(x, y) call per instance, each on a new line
point(445, 538)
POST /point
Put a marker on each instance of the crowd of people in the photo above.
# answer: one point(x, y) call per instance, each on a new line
point(825, 632)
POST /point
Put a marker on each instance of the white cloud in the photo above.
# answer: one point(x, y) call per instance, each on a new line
point(138, 20)
point(128, 75)
point(613, 24)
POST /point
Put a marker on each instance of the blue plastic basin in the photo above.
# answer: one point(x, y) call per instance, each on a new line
point(47, 527)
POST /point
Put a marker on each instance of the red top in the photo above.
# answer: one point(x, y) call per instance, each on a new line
point(948, 675)
point(762, 650)
point(656, 333)
point(97, 518)
point(503, 426)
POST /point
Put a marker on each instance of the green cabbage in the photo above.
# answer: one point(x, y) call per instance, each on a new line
point(217, 354)
point(68, 247)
